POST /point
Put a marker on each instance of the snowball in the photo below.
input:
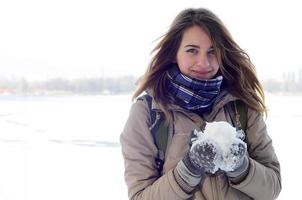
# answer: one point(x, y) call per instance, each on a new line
point(228, 143)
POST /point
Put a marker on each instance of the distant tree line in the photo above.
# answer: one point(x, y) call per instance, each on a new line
point(289, 83)
point(123, 84)
point(277, 86)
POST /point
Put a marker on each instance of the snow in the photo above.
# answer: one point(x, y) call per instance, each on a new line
point(225, 140)
point(68, 147)
point(62, 147)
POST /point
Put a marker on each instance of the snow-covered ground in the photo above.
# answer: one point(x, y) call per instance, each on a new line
point(62, 148)
point(68, 147)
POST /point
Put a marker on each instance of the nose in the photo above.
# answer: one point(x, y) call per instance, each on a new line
point(203, 61)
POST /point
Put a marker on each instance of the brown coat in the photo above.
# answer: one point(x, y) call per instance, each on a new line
point(263, 181)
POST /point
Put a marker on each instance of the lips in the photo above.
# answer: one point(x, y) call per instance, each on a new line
point(201, 72)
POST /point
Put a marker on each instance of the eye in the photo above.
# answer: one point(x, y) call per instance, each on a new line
point(192, 51)
point(211, 52)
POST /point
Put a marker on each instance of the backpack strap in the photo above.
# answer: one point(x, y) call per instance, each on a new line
point(241, 114)
point(238, 113)
point(159, 128)
point(161, 141)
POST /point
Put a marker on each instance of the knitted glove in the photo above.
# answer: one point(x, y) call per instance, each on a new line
point(238, 159)
point(200, 158)
point(204, 155)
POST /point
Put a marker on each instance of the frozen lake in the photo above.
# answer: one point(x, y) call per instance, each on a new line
point(68, 147)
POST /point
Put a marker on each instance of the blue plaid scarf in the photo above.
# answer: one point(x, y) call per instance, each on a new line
point(193, 94)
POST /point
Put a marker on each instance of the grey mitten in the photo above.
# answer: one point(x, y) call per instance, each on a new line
point(238, 159)
point(200, 158)
point(205, 155)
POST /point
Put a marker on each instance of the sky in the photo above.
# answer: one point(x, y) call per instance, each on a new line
point(42, 39)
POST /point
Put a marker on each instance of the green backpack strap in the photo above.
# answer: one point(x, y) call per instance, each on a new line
point(159, 129)
point(161, 138)
point(241, 114)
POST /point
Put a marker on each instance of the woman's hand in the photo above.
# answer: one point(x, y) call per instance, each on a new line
point(205, 155)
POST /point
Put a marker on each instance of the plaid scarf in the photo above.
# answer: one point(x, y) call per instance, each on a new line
point(193, 94)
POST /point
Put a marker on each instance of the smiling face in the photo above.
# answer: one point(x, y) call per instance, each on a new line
point(196, 57)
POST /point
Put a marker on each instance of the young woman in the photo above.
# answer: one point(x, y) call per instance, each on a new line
point(197, 71)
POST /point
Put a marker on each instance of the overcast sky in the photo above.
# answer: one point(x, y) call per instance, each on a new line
point(41, 39)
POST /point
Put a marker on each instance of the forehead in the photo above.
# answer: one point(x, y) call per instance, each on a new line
point(197, 36)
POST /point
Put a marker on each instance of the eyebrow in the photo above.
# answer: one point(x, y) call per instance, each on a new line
point(196, 46)
point(192, 45)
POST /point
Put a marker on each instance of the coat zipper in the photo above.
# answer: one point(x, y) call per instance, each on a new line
point(215, 191)
point(213, 184)
point(218, 189)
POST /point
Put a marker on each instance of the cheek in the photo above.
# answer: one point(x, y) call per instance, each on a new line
point(183, 69)
point(215, 64)
point(184, 63)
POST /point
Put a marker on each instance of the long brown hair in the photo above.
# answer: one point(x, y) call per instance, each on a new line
point(234, 64)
